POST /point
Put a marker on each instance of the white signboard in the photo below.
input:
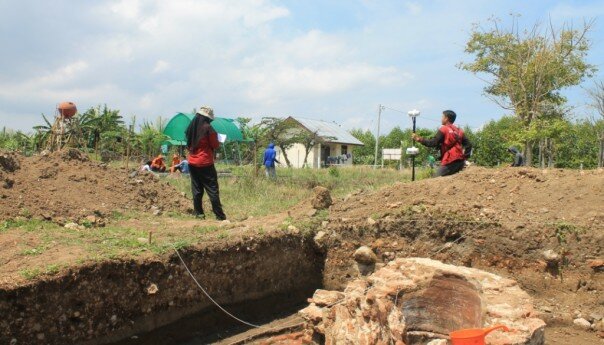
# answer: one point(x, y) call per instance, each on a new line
point(391, 154)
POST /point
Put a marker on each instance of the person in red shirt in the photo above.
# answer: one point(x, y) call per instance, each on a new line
point(202, 141)
point(158, 164)
point(175, 163)
point(455, 147)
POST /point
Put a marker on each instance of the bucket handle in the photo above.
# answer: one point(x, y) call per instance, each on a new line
point(493, 328)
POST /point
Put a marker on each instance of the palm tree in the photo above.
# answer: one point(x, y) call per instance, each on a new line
point(43, 133)
point(97, 122)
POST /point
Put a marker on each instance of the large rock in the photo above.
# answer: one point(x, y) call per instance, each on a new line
point(418, 301)
point(364, 255)
point(322, 198)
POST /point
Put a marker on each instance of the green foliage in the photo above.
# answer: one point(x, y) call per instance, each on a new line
point(563, 230)
point(283, 133)
point(578, 145)
point(150, 138)
point(30, 273)
point(363, 154)
point(492, 141)
point(334, 172)
point(526, 69)
point(396, 138)
point(574, 142)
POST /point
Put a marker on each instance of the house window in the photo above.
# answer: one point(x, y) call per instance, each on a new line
point(344, 149)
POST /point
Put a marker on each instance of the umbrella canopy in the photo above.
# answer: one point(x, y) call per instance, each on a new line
point(176, 127)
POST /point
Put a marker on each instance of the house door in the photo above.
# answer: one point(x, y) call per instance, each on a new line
point(325, 153)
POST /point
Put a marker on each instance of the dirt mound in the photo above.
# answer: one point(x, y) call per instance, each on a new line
point(541, 228)
point(66, 186)
point(512, 196)
point(71, 154)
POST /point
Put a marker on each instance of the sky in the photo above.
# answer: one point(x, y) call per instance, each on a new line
point(334, 60)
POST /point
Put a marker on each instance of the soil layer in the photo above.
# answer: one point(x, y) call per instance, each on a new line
point(66, 186)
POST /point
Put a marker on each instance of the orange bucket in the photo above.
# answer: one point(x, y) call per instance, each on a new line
point(473, 336)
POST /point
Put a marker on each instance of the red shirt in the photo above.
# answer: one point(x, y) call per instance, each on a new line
point(451, 148)
point(203, 156)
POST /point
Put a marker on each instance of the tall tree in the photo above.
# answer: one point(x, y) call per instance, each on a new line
point(280, 132)
point(363, 154)
point(527, 69)
point(596, 93)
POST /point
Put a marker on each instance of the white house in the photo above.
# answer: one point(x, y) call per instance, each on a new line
point(334, 145)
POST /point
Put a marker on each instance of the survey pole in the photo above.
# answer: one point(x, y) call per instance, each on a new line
point(413, 151)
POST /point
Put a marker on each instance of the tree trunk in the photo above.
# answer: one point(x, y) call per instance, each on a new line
point(541, 157)
point(256, 165)
point(601, 155)
point(529, 153)
point(289, 165)
point(550, 151)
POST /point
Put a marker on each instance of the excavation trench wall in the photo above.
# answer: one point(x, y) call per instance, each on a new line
point(110, 301)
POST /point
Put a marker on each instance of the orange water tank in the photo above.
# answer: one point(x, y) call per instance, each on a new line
point(67, 109)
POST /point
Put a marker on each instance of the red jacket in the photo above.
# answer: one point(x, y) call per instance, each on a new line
point(451, 148)
point(203, 156)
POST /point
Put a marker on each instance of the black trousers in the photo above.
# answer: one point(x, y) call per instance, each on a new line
point(206, 179)
point(451, 168)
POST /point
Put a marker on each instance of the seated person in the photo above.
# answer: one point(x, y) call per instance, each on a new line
point(183, 166)
point(518, 157)
point(175, 162)
point(146, 166)
point(158, 164)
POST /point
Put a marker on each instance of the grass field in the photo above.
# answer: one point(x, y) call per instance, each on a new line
point(35, 244)
point(243, 194)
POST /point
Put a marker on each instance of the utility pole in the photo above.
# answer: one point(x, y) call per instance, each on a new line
point(377, 137)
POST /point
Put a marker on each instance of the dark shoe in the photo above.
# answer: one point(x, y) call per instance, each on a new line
point(200, 216)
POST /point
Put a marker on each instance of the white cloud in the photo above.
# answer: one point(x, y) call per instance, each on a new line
point(161, 66)
point(413, 7)
point(126, 8)
point(246, 57)
point(37, 86)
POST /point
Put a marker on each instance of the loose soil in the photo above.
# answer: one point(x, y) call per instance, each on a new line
point(499, 220)
point(66, 186)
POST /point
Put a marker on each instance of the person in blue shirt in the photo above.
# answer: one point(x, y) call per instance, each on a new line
point(183, 166)
point(270, 157)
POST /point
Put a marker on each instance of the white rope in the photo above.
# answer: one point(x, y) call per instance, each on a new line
point(226, 311)
point(210, 297)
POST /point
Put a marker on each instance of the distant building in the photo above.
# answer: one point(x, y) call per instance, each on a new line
point(334, 145)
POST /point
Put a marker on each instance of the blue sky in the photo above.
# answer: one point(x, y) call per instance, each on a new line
point(332, 60)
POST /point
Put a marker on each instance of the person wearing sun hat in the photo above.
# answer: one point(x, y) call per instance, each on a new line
point(202, 141)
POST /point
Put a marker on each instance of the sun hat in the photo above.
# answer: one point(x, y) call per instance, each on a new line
point(206, 111)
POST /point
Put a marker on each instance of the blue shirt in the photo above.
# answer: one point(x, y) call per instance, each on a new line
point(184, 166)
point(270, 156)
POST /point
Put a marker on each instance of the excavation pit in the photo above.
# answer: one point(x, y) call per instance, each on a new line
point(119, 302)
point(415, 301)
